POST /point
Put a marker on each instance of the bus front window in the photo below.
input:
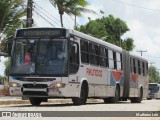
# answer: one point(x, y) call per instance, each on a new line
point(153, 88)
point(40, 57)
point(52, 57)
point(23, 58)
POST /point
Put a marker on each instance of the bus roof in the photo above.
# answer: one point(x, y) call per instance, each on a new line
point(93, 39)
point(153, 83)
point(137, 56)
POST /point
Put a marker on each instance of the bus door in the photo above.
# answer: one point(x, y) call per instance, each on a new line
point(73, 61)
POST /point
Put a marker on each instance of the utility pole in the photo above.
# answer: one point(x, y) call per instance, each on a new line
point(141, 51)
point(29, 20)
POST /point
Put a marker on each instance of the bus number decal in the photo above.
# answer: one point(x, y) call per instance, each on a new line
point(94, 72)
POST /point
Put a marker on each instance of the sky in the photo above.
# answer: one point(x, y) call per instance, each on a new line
point(141, 16)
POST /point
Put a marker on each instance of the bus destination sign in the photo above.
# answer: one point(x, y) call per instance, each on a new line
point(41, 32)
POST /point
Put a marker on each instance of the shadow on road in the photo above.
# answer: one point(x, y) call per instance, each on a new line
point(68, 104)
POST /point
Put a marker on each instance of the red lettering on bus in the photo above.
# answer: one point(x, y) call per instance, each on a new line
point(94, 72)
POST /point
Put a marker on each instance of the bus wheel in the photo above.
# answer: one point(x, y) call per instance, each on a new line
point(117, 96)
point(107, 100)
point(83, 96)
point(138, 99)
point(35, 101)
point(149, 98)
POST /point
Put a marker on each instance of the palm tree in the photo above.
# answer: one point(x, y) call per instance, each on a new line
point(62, 5)
point(70, 7)
point(11, 12)
point(78, 10)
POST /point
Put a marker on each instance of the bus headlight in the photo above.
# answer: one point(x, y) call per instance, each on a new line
point(14, 84)
point(58, 85)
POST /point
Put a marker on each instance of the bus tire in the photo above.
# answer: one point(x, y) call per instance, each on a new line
point(138, 99)
point(35, 101)
point(107, 100)
point(83, 95)
point(117, 96)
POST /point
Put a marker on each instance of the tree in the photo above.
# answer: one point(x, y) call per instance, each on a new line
point(10, 13)
point(7, 66)
point(78, 9)
point(70, 7)
point(63, 7)
point(109, 29)
point(1, 79)
point(128, 44)
point(153, 74)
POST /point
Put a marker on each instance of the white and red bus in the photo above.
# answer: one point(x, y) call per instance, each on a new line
point(63, 63)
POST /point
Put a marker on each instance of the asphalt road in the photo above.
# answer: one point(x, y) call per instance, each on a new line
point(108, 109)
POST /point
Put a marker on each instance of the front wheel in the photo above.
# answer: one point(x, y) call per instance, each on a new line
point(35, 101)
point(83, 96)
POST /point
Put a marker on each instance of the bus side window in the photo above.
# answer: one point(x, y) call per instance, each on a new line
point(110, 57)
point(115, 60)
point(119, 61)
point(103, 57)
point(146, 67)
point(84, 51)
point(93, 54)
point(143, 68)
point(134, 65)
point(74, 57)
point(107, 59)
point(139, 67)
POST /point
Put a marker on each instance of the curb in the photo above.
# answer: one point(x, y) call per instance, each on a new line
point(61, 101)
point(12, 102)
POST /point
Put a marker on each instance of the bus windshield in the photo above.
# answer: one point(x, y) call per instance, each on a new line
point(153, 88)
point(39, 56)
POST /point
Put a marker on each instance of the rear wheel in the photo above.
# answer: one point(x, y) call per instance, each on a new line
point(149, 98)
point(83, 96)
point(35, 101)
point(138, 99)
point(117, 96)
point(107, 100)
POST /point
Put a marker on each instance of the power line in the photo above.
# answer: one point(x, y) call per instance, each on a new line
point(47, 17)
point(74, 20)
point(47, 13)
point(51, 15)
point(136, 6)
point(153, 56)
point(44, 18)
